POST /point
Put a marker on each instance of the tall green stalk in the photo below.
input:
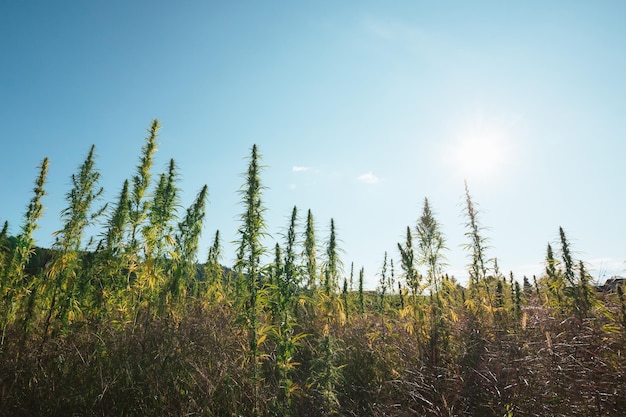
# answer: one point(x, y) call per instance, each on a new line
point(409, 265)
point(4, 232)
point(584, 293)
point(15, 283)
point(477, 246)
point(110, 283)
point(213, 271)
point(382, 286)
point(114, 237)
point(4, 251)
point(555, 279)
point(361, 294)
point(568, 261)
point(310, 252)
point(578, 291)
point(333, 265)
point(139, 204)
point(67, 278)
point(276, 281)
point(187, 244)
point(140, 280)
point(248, 263)
point(159, 238)
point(158, 232)
point(291, 276)
point(286, 289)
point(430, 245)
point(345, 299)
point(391, 279)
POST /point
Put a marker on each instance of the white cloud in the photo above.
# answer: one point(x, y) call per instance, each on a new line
point(300, 169)
point(368, 178)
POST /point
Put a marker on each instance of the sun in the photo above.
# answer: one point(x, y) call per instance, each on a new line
point(482, 152)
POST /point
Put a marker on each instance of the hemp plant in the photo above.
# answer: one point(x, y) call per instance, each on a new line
point(213, 271)
point(15, 284)
point(140, 280)
point(477, 246)
point(158, 231)
point(310, 252)
point(67, 279)
point(430, 245)
point(286, 282)
point(408, 264)
point(333, 264)
point(109, 281)
point(248, 263)
point(187, 240)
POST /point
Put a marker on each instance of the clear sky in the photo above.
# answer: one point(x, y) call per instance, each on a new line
point(359, 108)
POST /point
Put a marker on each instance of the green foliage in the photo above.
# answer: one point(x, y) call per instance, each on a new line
point(4, 232)
point(412, 276)
point(345, 298)
point(361, 294)
point(333, 265)
point(248, 263)
point(430, 244)
point(67, 281)
point(135, 326)
point(478, 268)
point(158, 234)
point(142, 278)
point(568, 262)
point(4, 249)
point(555, 280)
point(567, 293)
point(118, 221)
point(185, 256)
point(16, 286)
point(214, 279)
point(382, 287)
point(291, 278)
point(326, 374)
point(110, 282)
point(139, 204)
point(479, 288)
point(310, 252)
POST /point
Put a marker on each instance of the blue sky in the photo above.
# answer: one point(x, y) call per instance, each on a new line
point(359, 108)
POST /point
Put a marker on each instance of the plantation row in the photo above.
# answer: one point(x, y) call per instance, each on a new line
point(132, 325)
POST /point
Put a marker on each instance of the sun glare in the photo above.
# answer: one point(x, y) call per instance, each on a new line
point(481, 152)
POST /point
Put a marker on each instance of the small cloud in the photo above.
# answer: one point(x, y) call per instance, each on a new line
point(300, 169)
point(292, 186)
point(368, 178)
